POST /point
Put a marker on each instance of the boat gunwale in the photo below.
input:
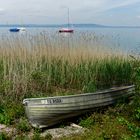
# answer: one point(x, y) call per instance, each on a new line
point(117, 96)
point(83, 94)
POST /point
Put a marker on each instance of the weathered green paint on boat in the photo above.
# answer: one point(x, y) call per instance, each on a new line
point(44, 112)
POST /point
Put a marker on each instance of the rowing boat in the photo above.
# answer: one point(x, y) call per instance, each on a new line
point(45, 112)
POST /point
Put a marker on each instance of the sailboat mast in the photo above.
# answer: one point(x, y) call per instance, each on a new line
point(68, 29)
point(68, 19)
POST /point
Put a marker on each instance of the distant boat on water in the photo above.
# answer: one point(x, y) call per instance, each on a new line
point(22, 29)
point(17, 29)
point(14, 30)
point(68, 29)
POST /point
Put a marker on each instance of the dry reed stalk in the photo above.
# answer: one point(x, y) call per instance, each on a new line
point(22, 56)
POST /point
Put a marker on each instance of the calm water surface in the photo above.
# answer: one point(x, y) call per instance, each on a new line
point(124, 39)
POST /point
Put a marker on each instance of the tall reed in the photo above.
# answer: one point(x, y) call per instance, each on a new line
point(44, 63)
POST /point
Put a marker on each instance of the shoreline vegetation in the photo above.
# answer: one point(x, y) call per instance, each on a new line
point(49, 65)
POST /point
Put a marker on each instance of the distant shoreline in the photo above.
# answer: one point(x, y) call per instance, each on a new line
point(65, 25)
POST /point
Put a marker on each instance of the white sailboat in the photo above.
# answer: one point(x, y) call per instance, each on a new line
point(68, 29)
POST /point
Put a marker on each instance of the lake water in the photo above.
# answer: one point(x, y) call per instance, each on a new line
point(124, 39)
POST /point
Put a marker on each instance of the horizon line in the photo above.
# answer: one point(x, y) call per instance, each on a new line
point(74, 24)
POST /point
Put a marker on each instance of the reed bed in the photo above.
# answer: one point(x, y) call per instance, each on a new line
point(39, 65)
point(52, 64)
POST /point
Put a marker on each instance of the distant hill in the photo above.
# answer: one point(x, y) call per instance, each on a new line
point(51, 25)
point(65, 25)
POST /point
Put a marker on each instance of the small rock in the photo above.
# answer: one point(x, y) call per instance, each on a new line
point(66, 131)
point(2, 126)
point(7, 130)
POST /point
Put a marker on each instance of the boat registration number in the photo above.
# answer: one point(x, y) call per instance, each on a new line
point(51, 101)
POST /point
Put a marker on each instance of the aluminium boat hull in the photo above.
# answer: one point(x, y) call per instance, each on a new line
point(45, 112)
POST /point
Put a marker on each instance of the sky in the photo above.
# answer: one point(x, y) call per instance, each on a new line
point(105, 12)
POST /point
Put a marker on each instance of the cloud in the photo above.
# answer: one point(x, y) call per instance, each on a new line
point(100, 6)
point(138, 16)
point(106, 5)
point(52, 11)
point(1, 9)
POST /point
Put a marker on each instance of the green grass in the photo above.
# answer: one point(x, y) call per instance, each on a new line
point(23, 125)
point(4, 136)
point(87, 76)
point(116, 122)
